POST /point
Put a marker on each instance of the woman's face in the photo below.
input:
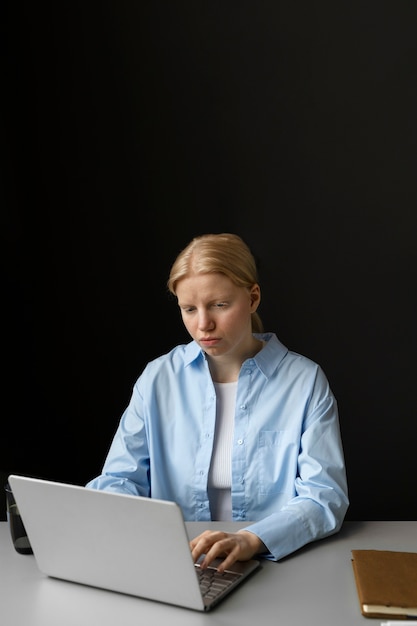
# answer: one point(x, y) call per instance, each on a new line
point(217, 313)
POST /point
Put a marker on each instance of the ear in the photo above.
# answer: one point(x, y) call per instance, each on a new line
point(255, 297)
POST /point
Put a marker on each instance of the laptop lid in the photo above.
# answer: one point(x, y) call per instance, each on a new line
point(128, 544)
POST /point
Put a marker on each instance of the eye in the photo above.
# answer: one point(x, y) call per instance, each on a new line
point(220, 305)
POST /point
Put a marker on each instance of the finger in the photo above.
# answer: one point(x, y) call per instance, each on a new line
point(236, 547)
point(227, 563)
point(200, 538)
point(202, 543)
point(227, 547)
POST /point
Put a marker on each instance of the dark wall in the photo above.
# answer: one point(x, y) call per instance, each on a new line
point(131, 127)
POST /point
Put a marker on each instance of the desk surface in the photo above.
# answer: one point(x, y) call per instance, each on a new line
point(314, 586)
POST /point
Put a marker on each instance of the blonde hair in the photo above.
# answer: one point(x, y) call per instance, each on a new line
point(223, 253)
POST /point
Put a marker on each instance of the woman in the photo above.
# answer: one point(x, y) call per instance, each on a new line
point(233, 425)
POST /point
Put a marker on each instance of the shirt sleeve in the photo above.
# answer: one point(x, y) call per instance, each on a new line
point(126, 468)
point(321, 501)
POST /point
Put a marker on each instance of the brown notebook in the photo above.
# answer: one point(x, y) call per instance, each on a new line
point(386, 582)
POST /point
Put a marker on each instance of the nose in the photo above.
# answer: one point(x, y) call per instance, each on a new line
point(205, 321)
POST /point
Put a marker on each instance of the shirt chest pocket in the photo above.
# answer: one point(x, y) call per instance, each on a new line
point(277, 459)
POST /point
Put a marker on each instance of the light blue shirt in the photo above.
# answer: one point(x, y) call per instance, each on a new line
point(288, 471)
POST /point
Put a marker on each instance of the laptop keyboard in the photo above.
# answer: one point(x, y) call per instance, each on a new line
point(214, 583)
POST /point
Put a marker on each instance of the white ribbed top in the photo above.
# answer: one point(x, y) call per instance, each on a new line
point(220, 475)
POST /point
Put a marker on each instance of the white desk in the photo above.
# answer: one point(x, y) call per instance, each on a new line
point(314, 587)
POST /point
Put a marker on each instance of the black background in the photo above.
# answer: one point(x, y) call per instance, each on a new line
point(130, 127)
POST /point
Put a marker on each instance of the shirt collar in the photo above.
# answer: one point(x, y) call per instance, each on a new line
point(267, 359)
point(271, 355)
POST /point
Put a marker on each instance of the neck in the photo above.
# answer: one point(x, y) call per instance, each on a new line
point(227, 369)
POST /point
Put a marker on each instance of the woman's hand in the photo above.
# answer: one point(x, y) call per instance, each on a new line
point(240, 546)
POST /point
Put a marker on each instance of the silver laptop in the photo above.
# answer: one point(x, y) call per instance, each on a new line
point(128, 544)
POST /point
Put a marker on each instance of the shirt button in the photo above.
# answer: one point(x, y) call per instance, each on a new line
point(243, 407)
point(240, 441)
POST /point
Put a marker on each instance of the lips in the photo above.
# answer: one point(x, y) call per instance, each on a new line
point(209, 341)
